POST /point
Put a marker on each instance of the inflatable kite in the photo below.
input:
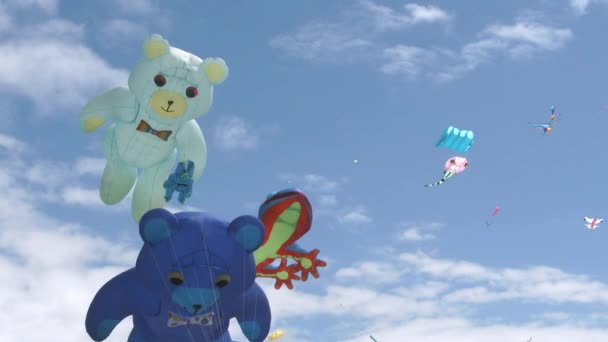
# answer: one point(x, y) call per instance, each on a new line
point(194, 273)
point(547, 127)
point(287, 216)
point(453, 166)
point(153, 125)
point(275, 335)
point(456, 139)
point(489, 222)
point(592, 222)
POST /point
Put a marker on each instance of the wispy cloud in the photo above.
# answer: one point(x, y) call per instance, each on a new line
point(58, 45)
point(357, 215)
point(581, 7)
point(90, 166)
point(312, 183)
point(350, 38)
point(46, 6)
point(232, 133)
point(118, 30)
point(386, 18)
point(418, 232)
point(357, 38)
point(139, 7)
point(322, 41)
point(522, 39)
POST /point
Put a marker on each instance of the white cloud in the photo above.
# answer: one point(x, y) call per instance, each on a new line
point(369, 271)
point(418, 232)
point(354, 37)
point(49, 63)
point(90, 166)
point(118, 30)
point(142, 7)
point(385, 18)
point(70, 269)
point(81, 196)
point(351, 38)
point(522, 39)
point(322, 41)
point(11, 145)
point(414, 234)
point(234, 134)
point(579, 6)
point(357, 215)
point(537, 284)
point(328, 200)
point(47, 6)
point(312, 183)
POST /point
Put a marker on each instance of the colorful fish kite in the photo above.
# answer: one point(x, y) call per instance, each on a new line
point(546, 127)
point(592, 222)
point(456, 139)
point(453, 166)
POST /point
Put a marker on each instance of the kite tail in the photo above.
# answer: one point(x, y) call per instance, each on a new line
point(446, 176)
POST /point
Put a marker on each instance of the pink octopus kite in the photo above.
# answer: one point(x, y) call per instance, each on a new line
point(453, 166)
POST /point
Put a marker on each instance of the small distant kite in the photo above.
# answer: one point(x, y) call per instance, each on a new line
point(456, 139)
point(372, 337)
point(547, 127)
point(529, 340)
point(593, 223)
point(494, 213)
point(453, 166)
point(355, 161)
point(275, 335)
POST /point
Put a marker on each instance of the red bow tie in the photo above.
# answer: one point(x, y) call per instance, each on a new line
point(146, 128)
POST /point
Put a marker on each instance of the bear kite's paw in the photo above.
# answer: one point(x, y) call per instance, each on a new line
point(92, 123)
point(180, 181)
point(104, 329)
point(309, 264)
point(251, 330)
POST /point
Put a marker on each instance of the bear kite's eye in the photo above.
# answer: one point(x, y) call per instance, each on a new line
point(160, 80)
point(466, 164)
point(452, 161)
point(222, 280)
point(191, 92)
point(176, 278)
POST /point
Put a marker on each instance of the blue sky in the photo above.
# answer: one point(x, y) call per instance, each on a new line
point(314, 85)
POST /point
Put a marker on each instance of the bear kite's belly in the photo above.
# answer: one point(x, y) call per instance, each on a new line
point(140, 149)
point(156, 330)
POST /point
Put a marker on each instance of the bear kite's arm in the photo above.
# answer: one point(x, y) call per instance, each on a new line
point(191, 146)
point(255, 319)
point(118, 104)
point(116, 300)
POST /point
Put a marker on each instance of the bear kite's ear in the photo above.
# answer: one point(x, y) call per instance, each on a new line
point(215, 70)
point(156, 225)
point(155, 46)
point(248, 231)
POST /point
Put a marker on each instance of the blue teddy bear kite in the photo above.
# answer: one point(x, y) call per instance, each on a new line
point(193, 274)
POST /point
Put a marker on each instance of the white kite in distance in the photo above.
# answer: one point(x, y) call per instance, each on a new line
point(593, 223)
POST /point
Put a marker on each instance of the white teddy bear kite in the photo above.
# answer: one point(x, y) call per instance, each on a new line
point(154, 125)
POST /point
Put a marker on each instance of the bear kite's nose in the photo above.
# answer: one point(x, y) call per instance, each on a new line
point(170, 102)
point(196, 307)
